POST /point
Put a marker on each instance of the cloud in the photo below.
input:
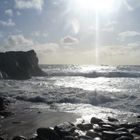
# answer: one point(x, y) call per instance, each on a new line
point(29, 4)
point(46, 47)
point(8, 23)
point(18, 41)
point(131, 5)
point(39, 34)
point(68, 40)
point(9, 12)
point(127, 34)
point(134, 44)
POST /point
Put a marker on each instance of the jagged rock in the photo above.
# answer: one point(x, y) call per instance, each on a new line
point(19, 65)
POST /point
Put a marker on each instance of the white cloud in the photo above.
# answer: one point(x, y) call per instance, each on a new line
point(8, 23)
point(127, 34)
point(29, 4)
point(18, 41)
point(69, 40)
point(9, 12)
point(39, 34)
point(134, 44)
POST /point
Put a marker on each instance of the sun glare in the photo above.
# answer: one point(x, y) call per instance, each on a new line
point(97, 5)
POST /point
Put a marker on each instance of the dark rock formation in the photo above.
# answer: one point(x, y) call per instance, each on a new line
point(19, 65)
point(3, 107)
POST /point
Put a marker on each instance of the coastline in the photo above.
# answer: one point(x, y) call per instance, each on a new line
point(25, 120)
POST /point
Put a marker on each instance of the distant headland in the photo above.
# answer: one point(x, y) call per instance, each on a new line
point(19, 65)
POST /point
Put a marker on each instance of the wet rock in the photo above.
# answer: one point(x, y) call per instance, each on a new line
point(5, 113)
point(97, 138)
point(112, 119)
point(122, 129)
point(136, 130)
point(70, 138)
point(107, 127)
point(137, 138)
point(92, 134)
point(64, 129)
point(47, 133)
point(19, 138)
point(85, 138)
point(110, 135)
point(130, 125)
point(124, 138)
point(85, 127)
point(95, 120)
point(3, 103)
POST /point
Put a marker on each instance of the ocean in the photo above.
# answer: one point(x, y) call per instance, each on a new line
point(87, 90)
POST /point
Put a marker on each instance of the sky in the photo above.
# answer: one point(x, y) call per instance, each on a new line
point(73, 31)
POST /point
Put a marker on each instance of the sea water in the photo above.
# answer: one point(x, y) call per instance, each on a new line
point(84, 89)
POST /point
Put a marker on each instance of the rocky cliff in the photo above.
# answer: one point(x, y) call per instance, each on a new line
point(19, 65)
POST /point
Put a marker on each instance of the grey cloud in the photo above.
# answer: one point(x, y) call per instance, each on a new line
point(9, 12)
point(68, 40)
point(8, 23)
point(17, 41)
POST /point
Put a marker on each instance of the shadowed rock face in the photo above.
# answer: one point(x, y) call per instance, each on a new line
point(19, 65)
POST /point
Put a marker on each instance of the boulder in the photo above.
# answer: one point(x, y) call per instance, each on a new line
point(47, 133)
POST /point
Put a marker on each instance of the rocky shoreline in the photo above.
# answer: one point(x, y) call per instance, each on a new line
point(96, 129)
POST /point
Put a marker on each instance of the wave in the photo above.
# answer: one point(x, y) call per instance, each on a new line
point(94, 99)
point(94, 74)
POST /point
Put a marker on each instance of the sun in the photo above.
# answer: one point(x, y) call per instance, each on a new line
point(95, 5)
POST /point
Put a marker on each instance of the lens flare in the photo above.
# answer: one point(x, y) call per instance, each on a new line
point(100, 5)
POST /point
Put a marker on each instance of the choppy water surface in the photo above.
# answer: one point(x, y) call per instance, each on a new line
point(76, 88)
